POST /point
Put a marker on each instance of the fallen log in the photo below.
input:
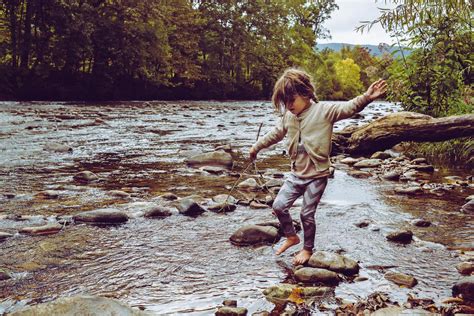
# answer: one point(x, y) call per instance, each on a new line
point(394, 128)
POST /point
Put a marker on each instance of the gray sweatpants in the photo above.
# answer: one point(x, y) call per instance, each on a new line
point(293, 188)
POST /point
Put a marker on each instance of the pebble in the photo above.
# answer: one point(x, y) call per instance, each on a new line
point(401, 279)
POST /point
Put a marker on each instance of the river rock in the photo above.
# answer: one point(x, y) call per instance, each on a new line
point(422, 168)
point(248, 185)
point(465, 288)
point(85, 176)
point(224, 198)
point(61, 148)
point(408, 190)
point(469, 198)
point(5, 235)
point(80, 305)
point(403, 237)
point(216, 158)
point(421, 223)
point(333, 262)
point(48, 229)
point(257, 205)
point(280, 293)
point(214, 169)
point(273, 183)
point(120, 194)
point(222, 208)
point(230, 303)
point(398, 311)
point(169, 196)
point(231, 311)
point(359, 174)
point(48, 194)
point(316, 275)
point(468, 208)
point(391, 175)
point(101, 216)
point(363, 223)
point(380, 155)
point(189, 207)
point(418, 161)
point(4, 275)
point(401, 279)
point(349, 161)
point(157, 211)
point(368, 163)
point(465, 267)
point(413, 175)
point(255, 234)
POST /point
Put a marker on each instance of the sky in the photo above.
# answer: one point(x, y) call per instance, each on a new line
point(343, 22)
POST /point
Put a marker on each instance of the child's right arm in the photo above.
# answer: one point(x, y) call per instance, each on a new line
point(272, 137)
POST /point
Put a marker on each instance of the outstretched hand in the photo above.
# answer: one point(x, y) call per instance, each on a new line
point(376, 89)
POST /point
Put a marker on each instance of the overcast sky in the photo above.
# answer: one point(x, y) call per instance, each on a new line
point(343, 22)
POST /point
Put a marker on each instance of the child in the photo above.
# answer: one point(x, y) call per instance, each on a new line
point(308, 125)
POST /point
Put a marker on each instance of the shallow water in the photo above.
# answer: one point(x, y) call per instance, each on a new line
point(181, 264)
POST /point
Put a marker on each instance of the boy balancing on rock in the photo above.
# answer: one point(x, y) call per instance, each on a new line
point(309, 126)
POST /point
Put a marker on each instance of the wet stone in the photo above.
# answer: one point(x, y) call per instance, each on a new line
point(403, 237)
point(465, 267)
point(349, 161)
point(217, 158)
point(157, 211)
point(4, 275)
point(465, 288)
point(231, 311)
point(409, 190)
point(273, 183)
point(5, 235)
point(222, 208)
point(421, 223)
point(224, 198)
point(391, 175)
point(418, 161)
point(401, 279)
point(57, 148)
point(48, 194)
point(255, 234)
point(120, 194)
point(48, 229)
point(422, 168)
point(189, 207)
point(468, 208)
point(333, 262)
point(368, 163)
point(316, 275)
point(282, 292)
point(101, 216)
point(213, 170)
point(248, 185)
point(380, 155)
point(85, 176)
point(257, 205)
point(80, 305)
point(362, 223)
point(230, 303)
point(359, 174)
point(169, 196)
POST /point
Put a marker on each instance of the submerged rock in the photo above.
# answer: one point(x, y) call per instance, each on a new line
point(401, 279)
point(404, 237)
point(255, 234)
point(231, 311)
point(48, 194)
point(157, 211)
point(85, 176)
point(169, 196)
point(188, 207)
point(281, 293)
point(465, 288)
point(5, 235)
point(465, 267)
point(216, 158)
point(62, 148)
point(317, 275)
point(101, 216)
point(222, 208)
point(120, 194)
point(80, 305)
point(333, 262)
point(48, 229)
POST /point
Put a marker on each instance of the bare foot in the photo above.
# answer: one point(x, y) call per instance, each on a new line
point(290, 241)
point(302, 257)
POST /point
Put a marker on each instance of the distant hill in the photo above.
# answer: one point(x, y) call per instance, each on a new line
point(373, 49)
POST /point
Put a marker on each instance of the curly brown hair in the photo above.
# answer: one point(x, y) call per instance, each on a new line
point(293, 82)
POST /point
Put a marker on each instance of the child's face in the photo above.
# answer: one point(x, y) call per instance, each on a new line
point(298, 105)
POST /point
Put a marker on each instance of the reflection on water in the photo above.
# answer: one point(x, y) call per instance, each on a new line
point(181, 264)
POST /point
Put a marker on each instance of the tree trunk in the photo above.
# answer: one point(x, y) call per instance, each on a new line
point(394, 128)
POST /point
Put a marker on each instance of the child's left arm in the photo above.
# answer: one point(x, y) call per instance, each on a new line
point(337, 112)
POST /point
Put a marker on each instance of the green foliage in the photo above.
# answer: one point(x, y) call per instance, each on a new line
point(348, 75)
